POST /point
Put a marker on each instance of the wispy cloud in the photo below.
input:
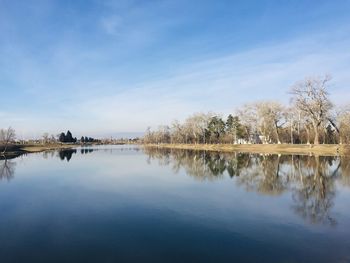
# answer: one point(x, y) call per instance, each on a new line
point(112, 24)
point(218, 84)
point(120, 71)
point(222, 84)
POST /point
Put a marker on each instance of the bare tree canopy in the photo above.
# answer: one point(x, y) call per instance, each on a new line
point(6, 136)
point(343, 120)
point(311, 97)
point(309, 118)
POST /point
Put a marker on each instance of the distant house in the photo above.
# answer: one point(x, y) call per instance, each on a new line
point(256, 139)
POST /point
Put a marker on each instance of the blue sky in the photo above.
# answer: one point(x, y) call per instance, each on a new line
point(105, 67)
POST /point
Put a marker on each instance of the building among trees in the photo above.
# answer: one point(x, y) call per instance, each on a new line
point(310, 118)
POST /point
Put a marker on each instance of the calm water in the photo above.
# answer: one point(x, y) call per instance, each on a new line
point(125, 204)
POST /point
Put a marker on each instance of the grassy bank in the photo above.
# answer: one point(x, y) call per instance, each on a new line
point(17, 149)
point(41, 148)
point(323, 149)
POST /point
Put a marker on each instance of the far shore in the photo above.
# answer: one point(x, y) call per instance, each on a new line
point(15, 150)
point(321, 149)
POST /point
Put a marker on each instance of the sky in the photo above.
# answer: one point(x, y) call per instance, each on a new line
point(106, 68)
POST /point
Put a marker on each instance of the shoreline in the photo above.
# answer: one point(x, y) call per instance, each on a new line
point(18, 150)
point(15, 150)
point(301, 149)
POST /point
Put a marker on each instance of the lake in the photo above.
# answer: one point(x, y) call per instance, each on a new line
point(129, 204)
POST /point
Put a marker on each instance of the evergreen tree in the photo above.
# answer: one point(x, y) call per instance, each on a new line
point(216, 128)
point(82, 139)
point(329, 135)
point(69, 137)
point(62, 137)
point(230, 124)
point(234, 128)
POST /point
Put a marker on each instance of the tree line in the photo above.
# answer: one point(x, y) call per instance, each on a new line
point(8, 137)
point(68, 138)
point(311, 117)
point(87, 139)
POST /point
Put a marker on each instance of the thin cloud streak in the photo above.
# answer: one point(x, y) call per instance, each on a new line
point(220, 85)
point(131, 66)
point(214, 85)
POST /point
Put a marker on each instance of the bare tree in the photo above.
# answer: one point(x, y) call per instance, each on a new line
point(163, 134)
point(177, 132)
point(195, 126)
point(53, 138)
point(46, 138)
point(6, 136)
point(311, 97)
point(343, 120)
point(249, 119)
point(272, 116)
point(264, 122)
point(7, 169)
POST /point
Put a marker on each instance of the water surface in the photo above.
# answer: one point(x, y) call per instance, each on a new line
point(127, 204)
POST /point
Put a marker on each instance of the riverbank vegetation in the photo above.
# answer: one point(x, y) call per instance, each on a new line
point(300, 149)
point(311, 117)
point(10, 147)
point(68, 138)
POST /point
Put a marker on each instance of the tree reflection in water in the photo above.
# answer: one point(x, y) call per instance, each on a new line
point(7, 169)
point(86, 150)
point(66, 154)
point(315, 192)
point(345, 170)
point(310, 179)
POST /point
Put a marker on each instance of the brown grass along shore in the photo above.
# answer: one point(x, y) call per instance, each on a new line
point(321, 149)
point(18, 149)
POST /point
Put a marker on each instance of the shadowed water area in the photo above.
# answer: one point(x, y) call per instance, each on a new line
point(129, 204)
